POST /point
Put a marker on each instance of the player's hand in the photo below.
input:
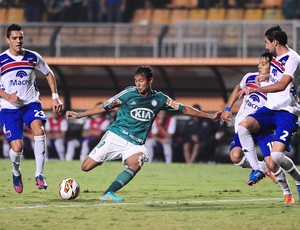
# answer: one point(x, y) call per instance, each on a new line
point(14, 99)
point(57, 106)
point(72, 114)
point(261, 78)
point(216, 115)
point(243, 92)
point(226, 116)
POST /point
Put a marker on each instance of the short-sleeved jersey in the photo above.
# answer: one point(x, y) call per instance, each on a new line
point(251, 102)
point(286, 64)
point(17, 74)
point(137, 113)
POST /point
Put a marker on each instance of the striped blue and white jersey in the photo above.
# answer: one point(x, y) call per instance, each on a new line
point(286, 64)
point(17, 75)
point(137, 113)
point(251, 102)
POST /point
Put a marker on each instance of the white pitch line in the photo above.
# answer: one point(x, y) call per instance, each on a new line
point(137, 203)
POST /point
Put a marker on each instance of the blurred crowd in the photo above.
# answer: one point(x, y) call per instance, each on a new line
point(120, 10)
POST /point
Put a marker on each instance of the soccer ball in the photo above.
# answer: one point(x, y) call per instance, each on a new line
point(68, 189)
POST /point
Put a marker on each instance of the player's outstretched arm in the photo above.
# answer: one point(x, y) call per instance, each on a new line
point(227, 114)
point(190, 111)
point(93, 111)
point(56, 103)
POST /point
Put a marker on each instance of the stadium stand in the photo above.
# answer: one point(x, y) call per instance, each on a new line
point(197, 14)
point(253, 14)
point(15, 15)
point(178, 15)
point(3, 15)
point(271, 3)
point(178, 4)
point(160, 16)
point(273, 14)
point(142, 16)
point(216, 14)
point(234, 14)
point(188, 4)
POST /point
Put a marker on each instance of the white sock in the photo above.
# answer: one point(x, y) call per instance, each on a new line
point(243, 163)
point(248, 147)
point(15, 158)
point(39, 152)
point(287, 164)
point(263, 166)
point(283, 182)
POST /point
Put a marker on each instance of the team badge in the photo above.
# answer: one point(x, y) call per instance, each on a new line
point(154, 103)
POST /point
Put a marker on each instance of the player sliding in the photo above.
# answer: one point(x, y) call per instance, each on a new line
point(138, 106)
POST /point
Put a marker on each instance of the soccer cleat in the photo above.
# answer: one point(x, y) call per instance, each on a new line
point(289, 199)
point(110, 197)
point(271, 176)
point(40, 182)
point(255, 176)
point(17, 183)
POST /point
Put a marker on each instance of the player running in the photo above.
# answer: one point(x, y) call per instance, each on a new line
point(138, 107)
point(20, 103)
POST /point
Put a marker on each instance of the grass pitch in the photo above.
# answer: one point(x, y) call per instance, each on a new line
point(161, 196)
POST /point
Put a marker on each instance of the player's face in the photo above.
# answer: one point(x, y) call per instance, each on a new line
point(142, 84)
point(263, 66)
point(271, 46)
point(15, 42)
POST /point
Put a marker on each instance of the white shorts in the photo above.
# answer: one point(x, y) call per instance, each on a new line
point(112, 147)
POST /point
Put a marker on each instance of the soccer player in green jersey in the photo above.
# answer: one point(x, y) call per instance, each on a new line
point(138, 107)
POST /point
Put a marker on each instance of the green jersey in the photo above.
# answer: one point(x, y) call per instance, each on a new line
point(137, 113)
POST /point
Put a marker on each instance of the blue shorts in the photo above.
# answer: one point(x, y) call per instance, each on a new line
point(264, 141)
point(284, 124)
point(12, 120)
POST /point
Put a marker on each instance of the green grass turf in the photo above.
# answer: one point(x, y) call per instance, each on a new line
point(161, 196)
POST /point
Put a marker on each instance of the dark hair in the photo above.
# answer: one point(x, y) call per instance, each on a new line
point(278, 34)
point(144, 70)
point(13, 27)
point(268, 56)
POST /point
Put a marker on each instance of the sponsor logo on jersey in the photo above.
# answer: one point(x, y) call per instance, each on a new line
point(20, 74)
point(172, 103)
point(142, 114)
point(113, 103)
point(252, 105)
point(20, 82)
point(30, 60)
point(254, 97)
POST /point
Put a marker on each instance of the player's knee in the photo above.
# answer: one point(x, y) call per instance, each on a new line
point(278, 157)
point(88, 164)
point(236, 155)
point(271, 164)
point(85, 168)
